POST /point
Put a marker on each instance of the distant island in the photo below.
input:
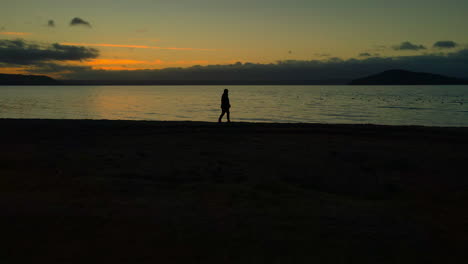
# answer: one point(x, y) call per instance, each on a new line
point(402, 77)
point(390, 77)
point(19, 79)
point(205, 82)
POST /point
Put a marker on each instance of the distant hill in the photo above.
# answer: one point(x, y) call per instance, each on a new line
point(19, 79)
point(402, 77)
point(205, 82)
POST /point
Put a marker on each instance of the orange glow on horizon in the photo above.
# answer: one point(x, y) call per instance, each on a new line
point(24, 71)
point(120, 68)
point(113, 65)
point(133, 65)
point(13, 70)
point(120, 62)
point(15, 33)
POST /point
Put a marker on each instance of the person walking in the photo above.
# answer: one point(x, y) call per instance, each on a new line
point(225, 105)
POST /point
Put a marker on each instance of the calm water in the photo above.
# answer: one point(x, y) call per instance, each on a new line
point(394, 105)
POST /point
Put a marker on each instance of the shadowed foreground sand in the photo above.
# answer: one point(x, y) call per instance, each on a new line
point(191, 192)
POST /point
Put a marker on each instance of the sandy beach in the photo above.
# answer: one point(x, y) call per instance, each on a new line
point(77, 191)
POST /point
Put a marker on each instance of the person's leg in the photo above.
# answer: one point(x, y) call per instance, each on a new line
point(228, 117)
point(221, 116)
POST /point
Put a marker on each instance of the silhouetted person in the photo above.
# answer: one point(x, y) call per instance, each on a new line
point(225, 105)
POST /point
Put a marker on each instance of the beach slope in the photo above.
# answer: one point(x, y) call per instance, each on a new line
point(77, 191)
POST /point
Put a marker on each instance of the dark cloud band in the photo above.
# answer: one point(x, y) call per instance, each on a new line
point(51, 68)
point(445, 44)
point(46, 59)
point(408, 46)
point(451, 64)
point(20, 52)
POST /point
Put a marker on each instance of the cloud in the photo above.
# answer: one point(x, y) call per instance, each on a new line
point(445, 44)
point(51, 23)
point(20, 52)
point(15, 33)
point(78, 21)
point(131, 46)
point(54, 68)
point(65, 60)
point(131, 65)
point(451, 64)
point(367, 54)
point(408, 46)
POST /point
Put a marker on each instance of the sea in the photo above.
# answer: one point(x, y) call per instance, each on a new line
point(387, 105)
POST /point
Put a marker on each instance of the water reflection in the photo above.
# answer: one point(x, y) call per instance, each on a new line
point(404, 105)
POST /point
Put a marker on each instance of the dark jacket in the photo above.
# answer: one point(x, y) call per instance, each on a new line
point(225, 102)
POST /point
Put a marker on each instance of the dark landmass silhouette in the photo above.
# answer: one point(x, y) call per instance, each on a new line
point(390, 77)
point(205, 82)
point(19, 79)
point(402, 77)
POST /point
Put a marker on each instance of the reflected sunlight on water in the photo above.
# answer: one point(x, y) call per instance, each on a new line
point(393, 105)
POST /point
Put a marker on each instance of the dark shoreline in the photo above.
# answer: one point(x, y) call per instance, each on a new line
point(307, 127)
point(178, 192)
point(389, 77)
point(175, 82)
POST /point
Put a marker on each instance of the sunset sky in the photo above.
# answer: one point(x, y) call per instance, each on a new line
point(155, 34)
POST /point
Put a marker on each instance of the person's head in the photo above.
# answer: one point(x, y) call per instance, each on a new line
point(226, 91)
